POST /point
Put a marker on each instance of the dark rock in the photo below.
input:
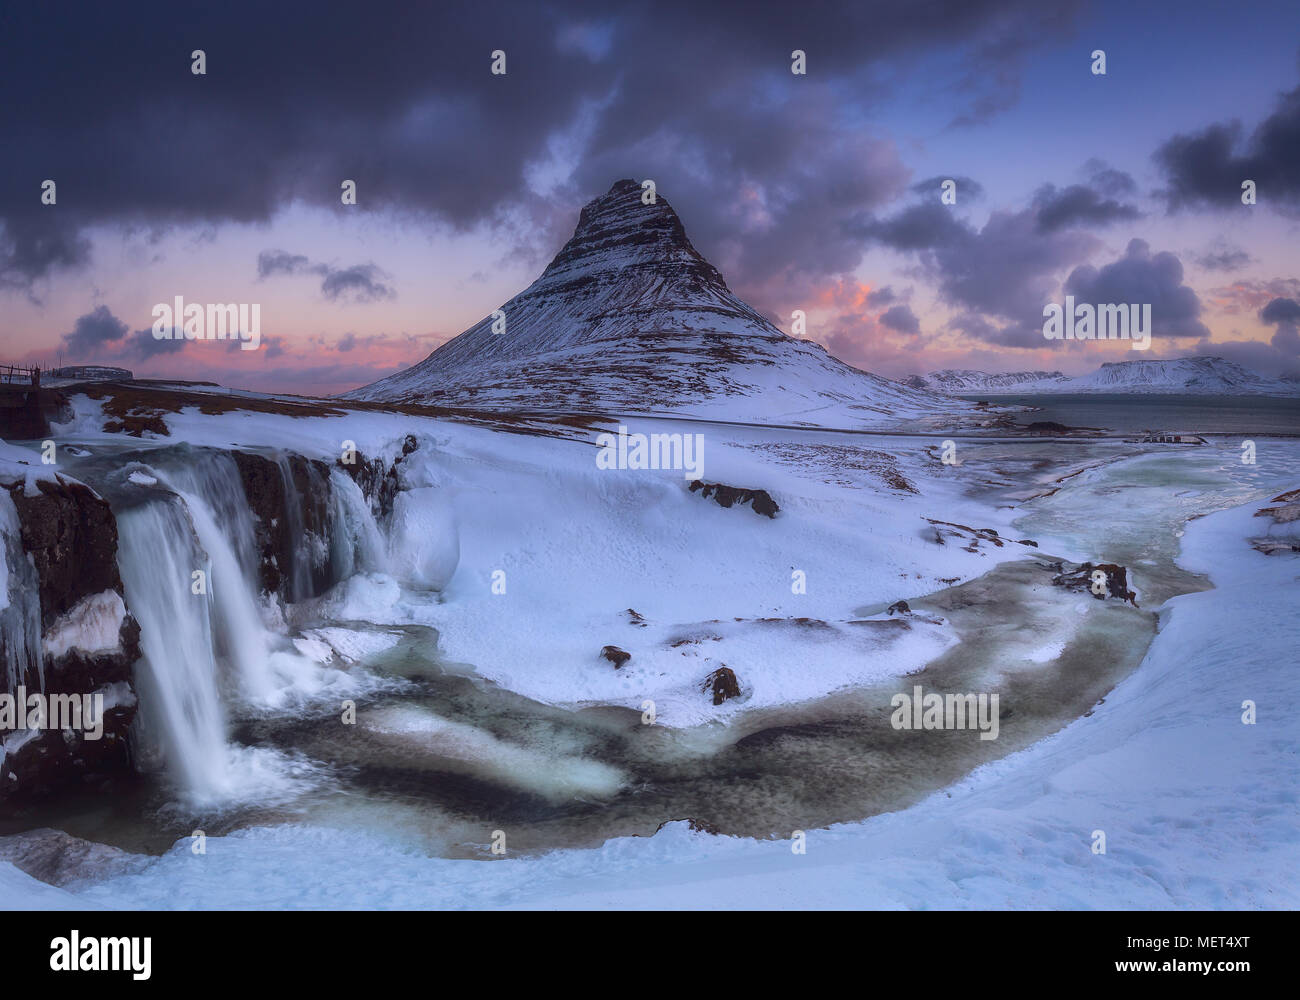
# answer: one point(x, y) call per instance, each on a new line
point(264, 489)
point(58, 858)
point(760, 501)
point(70, 536)
point(379, 482)
point(291, 500)
point(952, 529)
point(1081, 579)
point(901, 607)
point(722, 682)
point(615, 655)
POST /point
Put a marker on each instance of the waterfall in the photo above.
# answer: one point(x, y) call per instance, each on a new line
point(209, 655)
point(20, 606)
point(356, 543)
point(209, 484)
point(181, 711)
point(310, 552)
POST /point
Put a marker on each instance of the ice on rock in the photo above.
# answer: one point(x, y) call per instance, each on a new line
point(424, 543)
point(92, 626)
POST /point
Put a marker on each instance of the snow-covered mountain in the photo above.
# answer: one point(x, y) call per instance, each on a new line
point(965, 380)
point(1210, 376)
point(630, 318)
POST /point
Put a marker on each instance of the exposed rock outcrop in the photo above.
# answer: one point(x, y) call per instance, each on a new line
point(380, 482)
point(1081, 578)
point(615, 655)
point(291, 501)
point(722, 684)
point(58, 858)
point(88, 647)
point(71, 535)
point(760, 501)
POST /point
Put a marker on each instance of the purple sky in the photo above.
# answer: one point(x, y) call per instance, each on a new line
point(817, 192)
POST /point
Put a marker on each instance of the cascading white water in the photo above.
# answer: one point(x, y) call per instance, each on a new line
point(20, 608)
point(181, 711)
point(209, 485)
point(309, 552)
point(207, 655)
point(356, 544)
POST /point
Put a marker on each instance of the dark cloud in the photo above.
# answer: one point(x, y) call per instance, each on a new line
point(902, 319)
point(1108, 180)
point(1224, 257)
point(999, 276)
point(273, 262)
point(1142, 277)
point(144, 346)
point(1254, 355)
point(358, 283)
point(1285, 315)
point(1077, 205)
point(99, 335)
point(1280, 311)
point(881, 297)
point(35, 243)
point(1208, 167)
point(406, 106)
point(917, 227)
point(95, 334)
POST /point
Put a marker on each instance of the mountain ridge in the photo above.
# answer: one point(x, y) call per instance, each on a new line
point(1208, 375)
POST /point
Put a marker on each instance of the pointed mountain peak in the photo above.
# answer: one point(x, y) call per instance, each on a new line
point(620, 230)
point(630, 318)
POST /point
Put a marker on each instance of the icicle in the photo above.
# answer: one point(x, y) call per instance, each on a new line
point(20, 605)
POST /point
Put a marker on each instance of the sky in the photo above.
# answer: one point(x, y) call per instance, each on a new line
point(818, 192)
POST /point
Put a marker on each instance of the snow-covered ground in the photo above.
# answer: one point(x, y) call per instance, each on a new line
point(575, 547)
point(1197, 808)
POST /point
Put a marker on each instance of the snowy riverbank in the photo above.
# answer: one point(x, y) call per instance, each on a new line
point(1199, 810)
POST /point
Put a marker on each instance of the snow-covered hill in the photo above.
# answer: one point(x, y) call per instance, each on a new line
point(630, 318)
point(964, 380)
point(1210, 376)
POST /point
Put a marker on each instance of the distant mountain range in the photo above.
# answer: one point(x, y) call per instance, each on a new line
point(630, 318)
point(964, 380)
point(1210, 376)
